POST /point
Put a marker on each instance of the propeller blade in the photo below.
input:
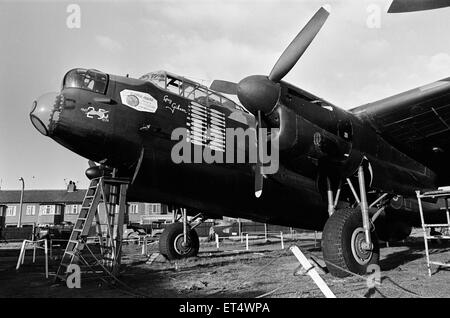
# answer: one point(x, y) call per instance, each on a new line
point(258, 169)
point(402, 6)
point(224, 87)
point(91, 163)
point(298, 46)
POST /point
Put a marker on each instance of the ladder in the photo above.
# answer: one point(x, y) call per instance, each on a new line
point(441, 193)
point(112, 193)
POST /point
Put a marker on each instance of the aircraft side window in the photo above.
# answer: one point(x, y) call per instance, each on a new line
point(215, 99)
point(189, 91)
point(174, 85)
point(201, 96)
point(158, 79)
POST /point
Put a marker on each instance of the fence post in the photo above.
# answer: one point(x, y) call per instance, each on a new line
point(265, 232)
point(246, 241)
point(144, 246)
point(46, 258)
point(217, 241)
point(34, 252)
point(282, 242)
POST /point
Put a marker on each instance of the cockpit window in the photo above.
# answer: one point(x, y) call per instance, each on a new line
point(91, 80)
point(188, 89)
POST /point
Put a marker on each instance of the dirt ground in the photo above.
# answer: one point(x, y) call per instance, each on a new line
point(232, 272)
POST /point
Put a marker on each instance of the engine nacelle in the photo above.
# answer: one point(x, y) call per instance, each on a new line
point(299, 137)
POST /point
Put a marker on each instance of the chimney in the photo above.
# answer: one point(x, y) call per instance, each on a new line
point(71, 187)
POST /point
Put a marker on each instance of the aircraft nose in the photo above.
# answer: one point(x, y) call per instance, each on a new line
point(42, 112)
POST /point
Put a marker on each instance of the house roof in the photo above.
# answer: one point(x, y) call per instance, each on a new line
point(42, 196)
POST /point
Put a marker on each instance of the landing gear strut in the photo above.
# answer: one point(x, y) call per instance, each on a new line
point(180, 240)
point(349, 243)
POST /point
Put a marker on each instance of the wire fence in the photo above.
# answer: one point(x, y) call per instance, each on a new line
point(247, 241)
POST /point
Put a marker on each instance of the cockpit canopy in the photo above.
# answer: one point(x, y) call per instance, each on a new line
point(188, 89)
point(91, 80)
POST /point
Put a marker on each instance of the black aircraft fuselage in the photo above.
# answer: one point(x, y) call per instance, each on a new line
point(128, 123)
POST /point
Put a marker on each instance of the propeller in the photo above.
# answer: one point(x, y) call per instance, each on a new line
point(287, 60)
point(224, 87)
point(402, 6)
point(298, 46)
point(260, 94)
point(91, 164)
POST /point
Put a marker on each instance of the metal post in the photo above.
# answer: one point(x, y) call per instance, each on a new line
point(19, 222)
point(175, 214)
point(184, 226)
point(424, 229)
point(144, 246)
point(34, 252)
point(330, 197)
point(217, 241)
point(46, 258)
point(282, 242)
point(246, 241)
point(240, 228)
point(122, 188)
point(364, 207)
point(265, 232)
point(448, 214)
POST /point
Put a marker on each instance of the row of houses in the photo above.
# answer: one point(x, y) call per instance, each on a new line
point(48, 207)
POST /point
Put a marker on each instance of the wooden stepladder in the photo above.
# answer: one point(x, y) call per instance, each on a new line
point(111, 193)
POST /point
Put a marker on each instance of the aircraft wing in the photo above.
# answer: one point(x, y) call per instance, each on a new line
point(416, 122)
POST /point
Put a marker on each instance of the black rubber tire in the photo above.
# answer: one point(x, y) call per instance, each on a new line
point(167, 242)
point(336, 244)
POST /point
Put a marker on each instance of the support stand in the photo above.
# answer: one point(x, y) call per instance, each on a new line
point(110, 192)
point(35, 245)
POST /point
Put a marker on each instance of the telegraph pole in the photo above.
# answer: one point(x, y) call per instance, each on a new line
point(19, 222)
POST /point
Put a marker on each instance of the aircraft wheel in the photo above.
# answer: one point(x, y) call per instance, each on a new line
point(342, 240)
point(171, 242)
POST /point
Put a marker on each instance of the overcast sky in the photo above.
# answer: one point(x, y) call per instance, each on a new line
point(358, 57)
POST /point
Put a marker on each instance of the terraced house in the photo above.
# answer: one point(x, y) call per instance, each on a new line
point(48, 207)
